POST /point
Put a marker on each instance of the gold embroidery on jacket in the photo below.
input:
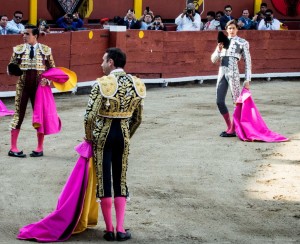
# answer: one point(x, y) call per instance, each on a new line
point(113, 97)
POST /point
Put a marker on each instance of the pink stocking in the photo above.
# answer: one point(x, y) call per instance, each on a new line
point(227, 121)
point(13, 140)
point(232, 129)
point(106, 204)
point(120, 206)
point(40, 137)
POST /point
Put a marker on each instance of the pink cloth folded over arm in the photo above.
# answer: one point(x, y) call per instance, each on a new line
point(45, 118)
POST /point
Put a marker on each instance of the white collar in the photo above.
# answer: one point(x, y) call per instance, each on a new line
point(34, 46)
point(117, 70)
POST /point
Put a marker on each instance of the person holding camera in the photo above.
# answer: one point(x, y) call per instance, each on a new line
point(189, 20)
point(70, 22)
point(229, 76)
point(157, 24)
point(146, 21)
point(269, 23)
point(130, 20)
point(146, 18)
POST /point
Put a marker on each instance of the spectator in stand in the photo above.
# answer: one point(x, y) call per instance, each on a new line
point(219, 15)
point(3, 26)
point(269, 23)
point(244, 22)
point(263, 7)
point(146, 21)
point(130, 20)
point(157, 24)
point(212, 23)
point(260, 15)
point(257, 18)
point(226, 17)
point(104, 23)
point(43, 27)
point(15, 24)
point(70, 22)
point(189, 20)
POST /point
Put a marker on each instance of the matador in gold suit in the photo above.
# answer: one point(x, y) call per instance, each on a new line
point(33, 58)
point(113, 114)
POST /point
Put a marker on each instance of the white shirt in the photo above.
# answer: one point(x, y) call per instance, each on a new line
point(34, 48)
point(186, 24)
point(16, 28)
point(275, 25)
point(212, 25)
point(3, 31)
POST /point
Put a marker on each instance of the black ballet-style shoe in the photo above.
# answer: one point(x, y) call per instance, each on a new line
point(35, 154)
point(109, 236)
point(225, 134)
point(123, 236)
point(16, 154)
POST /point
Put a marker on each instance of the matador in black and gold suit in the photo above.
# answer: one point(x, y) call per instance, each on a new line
point(33, 59)
point(113, 114)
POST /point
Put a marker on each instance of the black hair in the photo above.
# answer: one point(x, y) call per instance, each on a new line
point(131, 10)
point(220, 12)
point(117, 56)
point(231, 22)
point(35, 30)
point(211, 13)
point(18, 12)
point(269, 11)
point(228, 6)
point(263, 5)
point(157, 16)
point(3, 15)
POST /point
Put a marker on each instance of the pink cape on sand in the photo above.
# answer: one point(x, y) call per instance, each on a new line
point(60, 224)
point(4, 111)
point(249, 125)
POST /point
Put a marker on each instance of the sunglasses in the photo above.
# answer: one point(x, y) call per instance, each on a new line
point(18, 17)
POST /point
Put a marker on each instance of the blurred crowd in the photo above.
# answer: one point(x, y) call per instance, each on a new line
point(188, 20)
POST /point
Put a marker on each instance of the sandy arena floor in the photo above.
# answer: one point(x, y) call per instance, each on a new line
point(187, 184)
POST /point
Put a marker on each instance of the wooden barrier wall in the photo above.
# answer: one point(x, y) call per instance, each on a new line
point(181, 54)
point(74, 50)
point(158, 54)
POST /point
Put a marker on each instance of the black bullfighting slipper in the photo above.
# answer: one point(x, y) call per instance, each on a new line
point(16, 154)
point(109, 236)
point(36, 154)
point(225, 134)
point(123, 236)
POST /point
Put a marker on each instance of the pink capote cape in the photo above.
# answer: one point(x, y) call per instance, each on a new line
point(4, 111)
point(60, 224)
point(45, 118)
point(249, 125)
